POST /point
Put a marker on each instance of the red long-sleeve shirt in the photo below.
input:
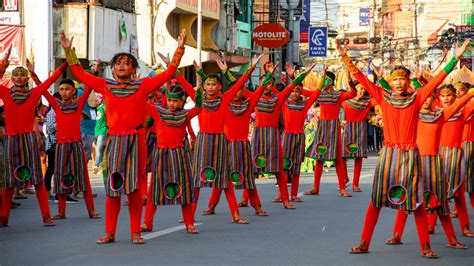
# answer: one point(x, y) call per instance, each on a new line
point(468, 132)
point(124, 114)
point(451, 135)
point(20, 118)
point(293, 120)
point(270, 119)
point(400, 124)
point(68, 125)
point(236, 127)
point(213, 121)
point(169, 136)
point(429, 133)
point(356, 115)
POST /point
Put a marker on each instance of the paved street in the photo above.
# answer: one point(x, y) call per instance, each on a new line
point(319, 231)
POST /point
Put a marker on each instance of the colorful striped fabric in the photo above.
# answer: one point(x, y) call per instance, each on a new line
point(451, 159)
point(123, 89)
point(211, 105)
point(354, 135)
point(171, 119)
point(122, 157)
point(238, 109)
point(70, 159)
point(329, 97)
point(22, 150)
point(359, 104)
point(457, 115)
point(293, 149)
point(240, 160)
point(267, 106)
point(211, 151)
point(324, 146)
point(266, 142)
point(19, 96)
point(150, 139)
point(67, 107)
point(435, 182)
point(171, 166)
point(399, 101)
point(468, 165)
point(397, 167)
point(296, 105)
point(430, 117)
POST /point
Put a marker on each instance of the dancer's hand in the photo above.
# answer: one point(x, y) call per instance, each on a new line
point(342, 49)
point(377, 70)
point(221, 64)
point(182, 39)
point(255, 60)
point(290, 70)
point(65, 42)
point(4, 63)
point(166, 59)
point(459, 51)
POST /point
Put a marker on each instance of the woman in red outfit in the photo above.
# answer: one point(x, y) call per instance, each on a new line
point(70, 172)
point(172, 178)
point(23, 167)
point(126, 149)
point(451, 155)
point(430, 123)
point(210, 161)
point(399, 164)
point(327, 142)
point(354, 137)
point(236, 130)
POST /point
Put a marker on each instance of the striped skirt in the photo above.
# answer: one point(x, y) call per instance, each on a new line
point(265, 149)
point(210, 163)
point(150, 145)
point(397, 179)
point(324, 146)
point(122, 165)
point(354, 140)
point(171, 177)
point(70, 162)
point(22, 158)
point(240, 162)
point(293, 152)
point(435, 185)
point(451, 164)
point(468, 165)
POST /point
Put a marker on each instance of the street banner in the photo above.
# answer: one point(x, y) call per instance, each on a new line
point(305, 21)
point(318, 41)
point(364, 16)
point(270, 35)
point(11, 35)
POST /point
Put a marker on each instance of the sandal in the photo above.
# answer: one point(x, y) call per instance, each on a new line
point(95, 215)
point(457, 245)
point(48, 222)
point(191, 229)
point(358, 250)
point(453, 214)
point(144, 228)
point(240, 220)
point(108, 238)
point(468, 233)
point(276, 199)
point(243, 204)
point(356, 189)
point(208, 212)
point(311, 192)
point(394, 240)
point(288, 205)
point(58, 217)
point(345, 194)
point(261, 213)
point(296, 199)
point(429, 254)
point(137, 239)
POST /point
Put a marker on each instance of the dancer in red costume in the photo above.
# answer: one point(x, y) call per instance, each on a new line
point(354, 138)
point(451, 155)
point(23, 167)
point(430, 123)
point(70, 172)
point(399, 164)
point(268, 157)
point(236, 129)
point(210, 151)
point(172, 178)
point(327, 142)
point(126, 149)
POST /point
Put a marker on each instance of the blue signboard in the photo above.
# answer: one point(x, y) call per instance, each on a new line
point(364, 16)
point(318, 41)
point(305, 21)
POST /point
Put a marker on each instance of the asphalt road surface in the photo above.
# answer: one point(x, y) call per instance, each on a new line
point(318, 232)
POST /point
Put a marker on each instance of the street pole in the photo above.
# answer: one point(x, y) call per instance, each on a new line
point(199, 32)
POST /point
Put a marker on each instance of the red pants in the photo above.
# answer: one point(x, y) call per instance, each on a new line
point(142, 161)
point(88, 198)
point(357, 170)
point(231, 200)
point(186, 210)
point(112, 210)
point(372, 216)
point(247, 194)
point(461, 207)
point(341, 169)
point(471, 198)
point(41, 195)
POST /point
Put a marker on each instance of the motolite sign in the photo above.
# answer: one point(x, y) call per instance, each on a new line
point(270, 35)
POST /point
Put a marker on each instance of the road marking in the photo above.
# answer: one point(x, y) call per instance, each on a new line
point(165, 231)
point(324, 227)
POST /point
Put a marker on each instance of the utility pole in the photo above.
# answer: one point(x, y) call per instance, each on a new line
point(415, 17)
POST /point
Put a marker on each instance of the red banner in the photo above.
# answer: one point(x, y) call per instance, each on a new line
point(12, 35)
point(270, 35)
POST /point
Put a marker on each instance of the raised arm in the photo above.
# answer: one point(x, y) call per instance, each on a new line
point(150, 109)
point(51, 100)
point(4, 63)
point(242, 80)
point(254, 97)
point(282, 96)
point(451, 110)
point(186, 86)
point(85, 95)
point(48, 82)
point(193, 112)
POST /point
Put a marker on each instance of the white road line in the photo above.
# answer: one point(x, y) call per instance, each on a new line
point(165, 231)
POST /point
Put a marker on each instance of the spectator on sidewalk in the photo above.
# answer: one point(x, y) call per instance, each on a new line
point(100, 135)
